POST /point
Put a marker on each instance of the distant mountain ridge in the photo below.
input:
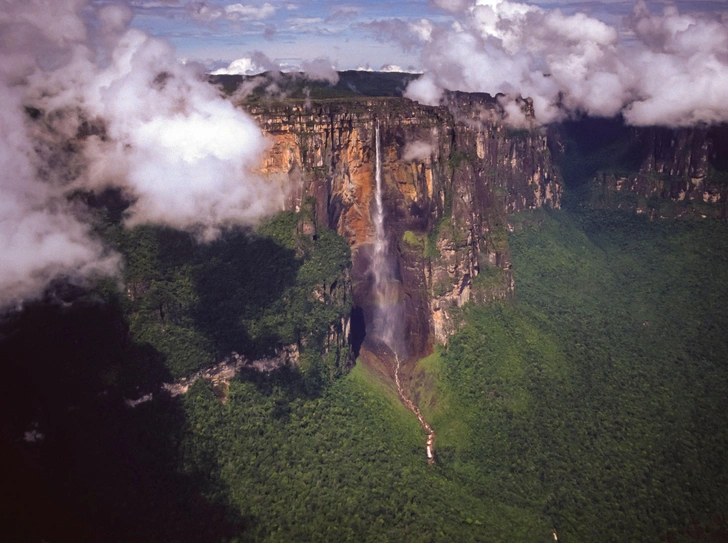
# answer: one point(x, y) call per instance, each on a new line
point(351, 83)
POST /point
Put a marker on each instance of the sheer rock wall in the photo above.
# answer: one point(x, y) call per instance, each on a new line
point(451, 176)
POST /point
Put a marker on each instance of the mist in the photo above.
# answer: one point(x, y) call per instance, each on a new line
point(667, 69)
point(417, 150)
point(89, 104)
point(320, 69)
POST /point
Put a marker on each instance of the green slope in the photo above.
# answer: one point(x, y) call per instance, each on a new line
point(598, 399)
point(594, 404)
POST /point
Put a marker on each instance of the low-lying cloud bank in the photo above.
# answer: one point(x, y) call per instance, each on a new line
point(321, 69)
point(666, 69)
point(88, 104)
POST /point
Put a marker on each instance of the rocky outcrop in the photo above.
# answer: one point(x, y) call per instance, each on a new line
point(219, 375)
point(451, 176)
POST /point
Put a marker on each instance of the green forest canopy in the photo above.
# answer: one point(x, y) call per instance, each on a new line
point(594, 404)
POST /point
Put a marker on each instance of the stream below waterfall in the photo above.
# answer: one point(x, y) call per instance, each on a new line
point(430, 443)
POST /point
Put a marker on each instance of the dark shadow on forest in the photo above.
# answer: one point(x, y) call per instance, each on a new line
point(102, 471)
point(243, 277)
point(238, 278)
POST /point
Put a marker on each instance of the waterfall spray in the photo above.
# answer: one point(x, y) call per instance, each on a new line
point(386, 290)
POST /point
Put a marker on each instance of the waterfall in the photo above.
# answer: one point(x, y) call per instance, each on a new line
point(387, 321)
point(381, 242)
point(389, 311)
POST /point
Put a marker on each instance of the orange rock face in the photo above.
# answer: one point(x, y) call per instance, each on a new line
point(451, 176)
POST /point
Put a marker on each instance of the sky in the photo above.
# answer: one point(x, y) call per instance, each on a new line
point(653, 61)
point(290, 32)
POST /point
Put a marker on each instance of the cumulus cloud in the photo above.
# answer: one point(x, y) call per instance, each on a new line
point(92, 106)
point(188, 162)
point(256, 62)
point(673, 71)
point(451, 5)
point(395, 68)
point(425, 90)
point(249, 13)
point(409, 35)
point(241, 66)
point(681, 71)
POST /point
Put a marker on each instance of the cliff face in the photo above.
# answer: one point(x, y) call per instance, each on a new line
point(451, 175)
point(675, 167)
point(658, 171)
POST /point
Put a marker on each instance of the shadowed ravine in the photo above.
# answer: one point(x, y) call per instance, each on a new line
point(388, 315)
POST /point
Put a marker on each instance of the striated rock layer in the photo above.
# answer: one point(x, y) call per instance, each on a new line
point(451, 176)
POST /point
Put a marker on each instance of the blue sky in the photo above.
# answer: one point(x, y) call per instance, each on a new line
point(290, 31)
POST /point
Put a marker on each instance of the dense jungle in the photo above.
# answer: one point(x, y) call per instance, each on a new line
point(588, 402)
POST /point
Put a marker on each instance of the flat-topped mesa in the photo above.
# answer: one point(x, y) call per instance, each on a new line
point(450, 175)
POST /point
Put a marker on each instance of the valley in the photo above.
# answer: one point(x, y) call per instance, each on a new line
point(548, 302)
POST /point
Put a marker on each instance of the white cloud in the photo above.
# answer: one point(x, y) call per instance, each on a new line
point(451, 5)
point(417, 150)
point(425, 90)
point(674, 71)
point(241, 66)
point(422, 29)
point(306, 24)
point(186, 154)
point(249, 13)
point(163, 136)
point(201, 11)
point(321, 68)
